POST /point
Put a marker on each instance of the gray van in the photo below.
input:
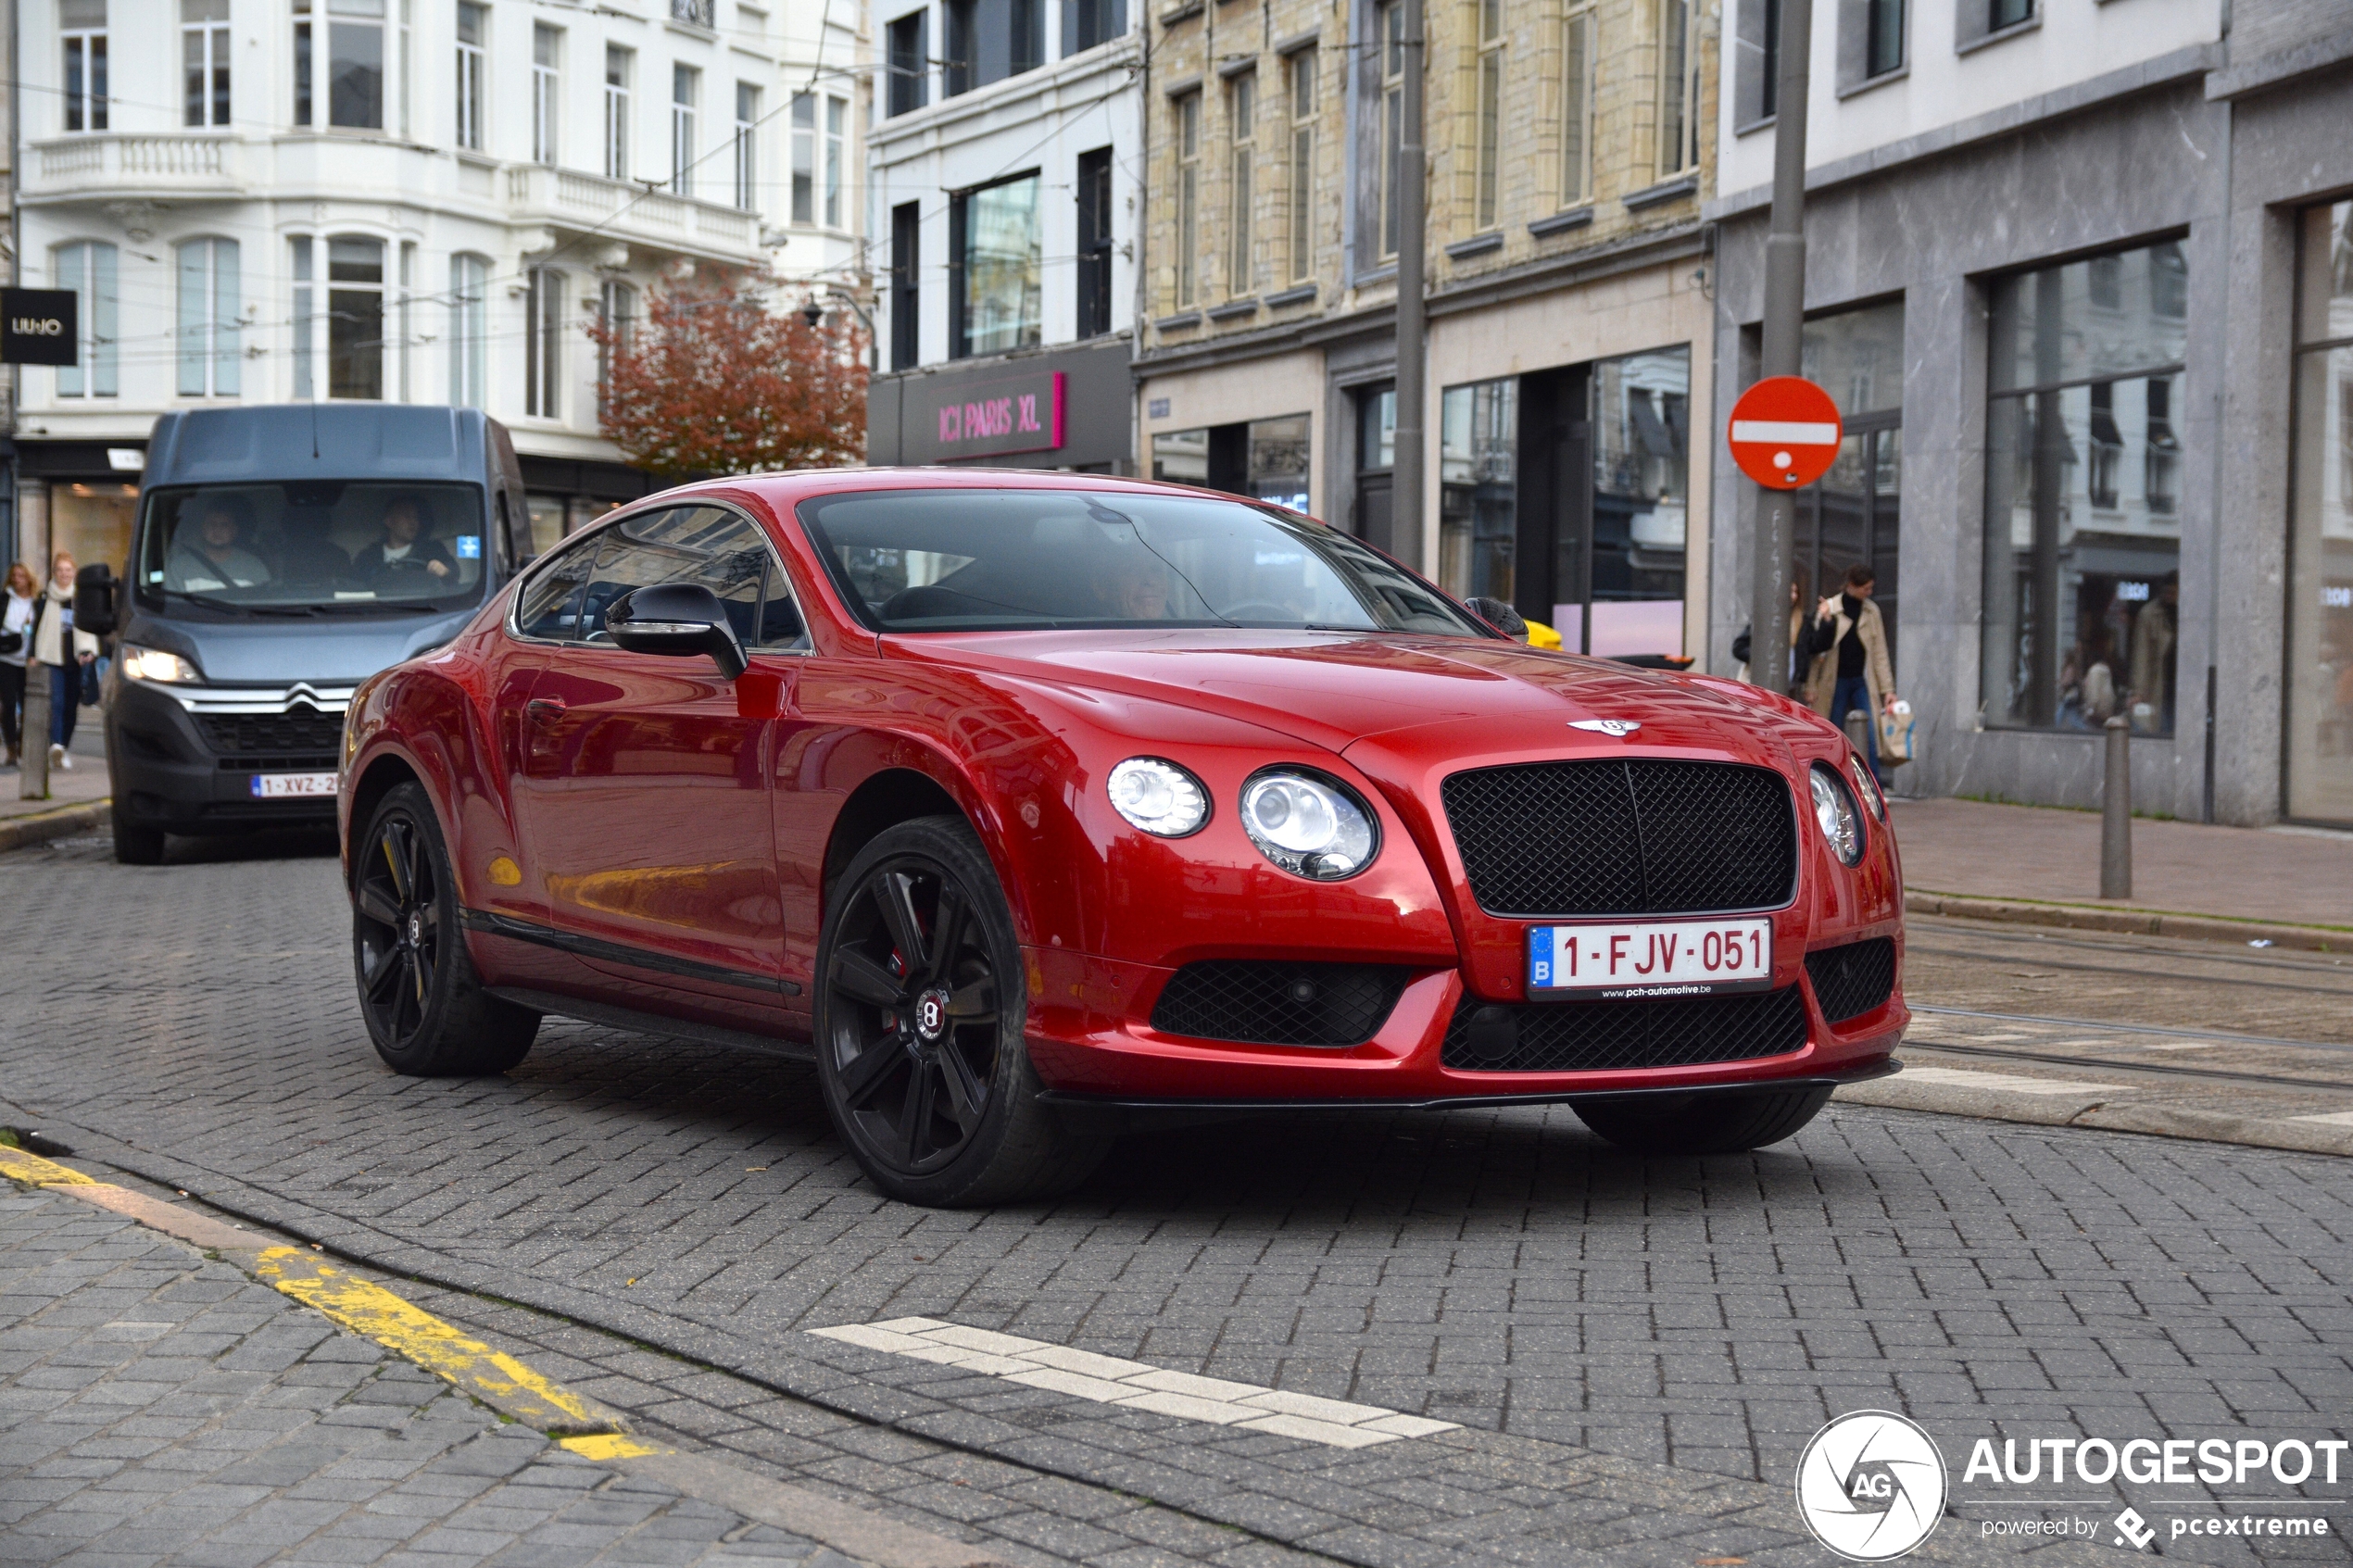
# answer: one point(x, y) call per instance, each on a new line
point(283, 554)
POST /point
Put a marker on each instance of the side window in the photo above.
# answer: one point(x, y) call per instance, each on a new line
point(781, 628)
point(549, 606)
point(705, 545)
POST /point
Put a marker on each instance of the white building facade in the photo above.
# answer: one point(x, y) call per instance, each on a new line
point(1003, 194)
point(422, 201)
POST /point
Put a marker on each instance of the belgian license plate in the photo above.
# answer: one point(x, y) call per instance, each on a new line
point(1651, 957)
point(280, 787)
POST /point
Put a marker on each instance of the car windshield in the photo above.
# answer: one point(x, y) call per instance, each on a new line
point(313, 547)
point(962, 560)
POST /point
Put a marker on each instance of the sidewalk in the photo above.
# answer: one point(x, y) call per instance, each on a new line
point(84, 785)
point(1968, 849)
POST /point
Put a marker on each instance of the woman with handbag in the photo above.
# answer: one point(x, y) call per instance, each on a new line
point(65, 651)
point(15, 645)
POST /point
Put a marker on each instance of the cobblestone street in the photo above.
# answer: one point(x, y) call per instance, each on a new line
point(1635, 1352)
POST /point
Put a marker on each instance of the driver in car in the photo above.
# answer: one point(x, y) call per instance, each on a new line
point(209, 557)
point(403, 553)
point(1134, 588)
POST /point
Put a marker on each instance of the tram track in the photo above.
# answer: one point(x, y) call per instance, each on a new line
point(2111, 1064)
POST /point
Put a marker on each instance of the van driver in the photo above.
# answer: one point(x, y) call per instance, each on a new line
point(402, 554)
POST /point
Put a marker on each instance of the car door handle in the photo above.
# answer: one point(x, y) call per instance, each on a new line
point(544, 709)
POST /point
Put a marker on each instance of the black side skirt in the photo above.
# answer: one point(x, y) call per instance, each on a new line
point(492, 924)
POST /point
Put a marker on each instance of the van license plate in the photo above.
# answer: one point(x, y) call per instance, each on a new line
point(1650, 958)
point(278, 787)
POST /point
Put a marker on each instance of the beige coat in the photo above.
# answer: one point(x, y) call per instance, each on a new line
point(48, 642)
point(1878, 675)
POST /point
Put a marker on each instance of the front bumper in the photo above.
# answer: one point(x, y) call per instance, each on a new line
point(166, 774)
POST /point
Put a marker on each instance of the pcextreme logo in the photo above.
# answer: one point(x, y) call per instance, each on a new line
point(1870, 1486)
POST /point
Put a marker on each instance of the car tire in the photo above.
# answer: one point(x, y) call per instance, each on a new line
point(135, 844)
point(920, 1001)
point(423, 1004)
point(1719, 1123)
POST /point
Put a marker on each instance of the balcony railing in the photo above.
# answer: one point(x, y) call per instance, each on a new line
point(112, 163)
point(625, 211)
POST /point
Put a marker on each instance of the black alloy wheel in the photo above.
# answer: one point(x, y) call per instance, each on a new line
point(425, 1006)
point(921, 1004)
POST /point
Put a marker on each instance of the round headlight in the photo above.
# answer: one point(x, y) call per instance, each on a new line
point(1159, 797)
point(1309, 825)
point(1835, 808)
point(1868, 786)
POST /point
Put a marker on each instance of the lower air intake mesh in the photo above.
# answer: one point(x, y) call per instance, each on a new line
point(1598, 1036)
point(1279, 1004)
point(1852, 980)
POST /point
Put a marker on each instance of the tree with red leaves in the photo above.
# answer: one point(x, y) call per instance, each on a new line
point(713, 381)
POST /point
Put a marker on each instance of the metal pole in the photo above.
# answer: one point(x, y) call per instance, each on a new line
point(1413, 173)
point(1785, 332)
point(2116, 812)
point(1858, 731)
point(33, 772)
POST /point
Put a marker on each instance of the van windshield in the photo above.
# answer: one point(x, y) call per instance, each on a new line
point(313, 547)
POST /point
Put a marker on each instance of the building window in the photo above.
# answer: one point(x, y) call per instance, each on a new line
point(473, 35)
point(994, 249)
point(2082, 579)
point(356, 319)
point(990, 39)
point(210, 303)
point(355, 61)
point(1088, 22)
point(543, 343)
point(617, 309)
point(906, 285)
point(88, 269)
point(2169, 281)
point(2319, 554)
point(1188, 195)
point(1490, 110)
point(204, 61)
point(747, 146)
point(910, 72)
point(1754, 65)
point(1577, 108)
point(621, 66)
point(836, 125)
point(1299, 253)
point(83, 26)
point(469, 330)
point(401, 329)
point(1241, 119)
point(686, 91)
point(1393, 117)
point(2000, 14)
point(696, 13)
point(1677, 89)
point(547, 89)
point(1883, 32)
point(305, 317)
point(1094, 243)
point(804, 158)
point(1478, 514)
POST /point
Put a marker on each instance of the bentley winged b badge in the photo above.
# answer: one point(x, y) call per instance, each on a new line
point(1620, 728)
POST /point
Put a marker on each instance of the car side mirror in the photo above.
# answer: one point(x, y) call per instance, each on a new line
point(679, 620)
point(1498, 615)
point(94, 588)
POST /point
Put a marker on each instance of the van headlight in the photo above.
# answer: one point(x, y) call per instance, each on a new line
point(1835, 808)
point(1160, 797)
point(1310, 825)
point(154, 664)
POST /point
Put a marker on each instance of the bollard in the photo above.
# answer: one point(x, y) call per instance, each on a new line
point(32, 779)
point(2116, 812)
point(1859, 733)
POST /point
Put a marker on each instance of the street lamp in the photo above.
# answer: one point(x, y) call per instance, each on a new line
point(814, 314)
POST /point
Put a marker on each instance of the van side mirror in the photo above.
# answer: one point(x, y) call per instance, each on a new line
point(679, 620)
point(93, 600)
point(1498, 615)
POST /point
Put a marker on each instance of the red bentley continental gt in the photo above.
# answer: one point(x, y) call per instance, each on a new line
point(1026, 804)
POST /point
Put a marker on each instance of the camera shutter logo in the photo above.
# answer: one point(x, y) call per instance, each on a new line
point(1870, 1486)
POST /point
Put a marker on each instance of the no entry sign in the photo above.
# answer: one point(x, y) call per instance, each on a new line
point(1784, 433)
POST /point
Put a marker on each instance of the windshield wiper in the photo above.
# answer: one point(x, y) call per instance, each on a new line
point(375, 606)
point(209, 602)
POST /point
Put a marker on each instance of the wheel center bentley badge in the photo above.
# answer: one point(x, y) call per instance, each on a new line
point(1622, 728)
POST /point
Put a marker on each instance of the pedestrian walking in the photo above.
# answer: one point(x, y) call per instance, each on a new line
point(65, 651)
point(16, 647)
point(1847, 645)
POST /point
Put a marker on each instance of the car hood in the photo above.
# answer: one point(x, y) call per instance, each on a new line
point(278, 652)
point(1456, 695)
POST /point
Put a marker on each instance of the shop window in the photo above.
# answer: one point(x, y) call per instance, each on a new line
point(2319, 619)
point(203, 62)
point(1641, 447)
point(355, 317)
point(2082, 539)
point(83, 26)
point(1478, 510)
point(995, 255)
point(209, 305)
point(1241, 119)
point(910, 72)
point(1088, 22)
point(620, 71)
point(469, 330)
point(990, 39)
point(1094, 243)
point(1266, 459)
point(88, 269)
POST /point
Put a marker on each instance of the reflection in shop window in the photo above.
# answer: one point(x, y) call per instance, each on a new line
point(2320, 623)
point(1478, 510)
point(1642, 442)
point(2082, 580)
point(1263, 458)
point(994, 249)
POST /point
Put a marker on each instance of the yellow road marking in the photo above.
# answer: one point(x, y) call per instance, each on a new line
point(606, 1447)
point(24, 1165)
point(496, 1379)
